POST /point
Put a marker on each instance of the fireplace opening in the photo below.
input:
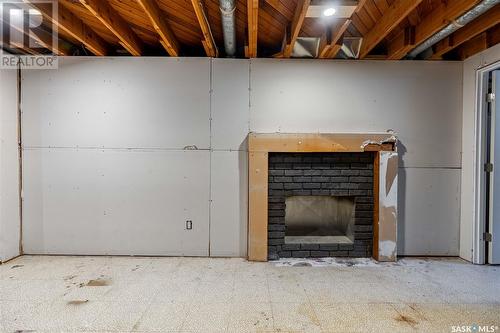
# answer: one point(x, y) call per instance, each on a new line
point(319, 219)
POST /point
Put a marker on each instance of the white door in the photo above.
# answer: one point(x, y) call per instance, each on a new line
point(494, 188)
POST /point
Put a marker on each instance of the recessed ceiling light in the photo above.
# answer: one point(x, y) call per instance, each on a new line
point(329, 11)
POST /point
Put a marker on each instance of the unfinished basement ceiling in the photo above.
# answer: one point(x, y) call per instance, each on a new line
point(389, 29)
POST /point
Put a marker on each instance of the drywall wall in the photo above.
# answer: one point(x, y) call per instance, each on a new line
point(469, 122)
point(98, 132)
point(106, 168)
point(9, 166)
point(229, 172)
point(421, 101)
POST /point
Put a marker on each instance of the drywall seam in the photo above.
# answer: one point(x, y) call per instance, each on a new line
point(20, 155)
point(210, 92)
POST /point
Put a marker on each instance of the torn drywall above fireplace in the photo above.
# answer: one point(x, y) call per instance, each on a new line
point(376, 192)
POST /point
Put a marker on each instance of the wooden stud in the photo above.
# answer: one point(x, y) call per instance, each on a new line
point(167, 37)
point(442, 15)
point(103, 11)
point(253, 18)
point(73, 26)
point(257, 201)
point(208, 41)
point(298, 19)
point(479, 25)
point(396, 13)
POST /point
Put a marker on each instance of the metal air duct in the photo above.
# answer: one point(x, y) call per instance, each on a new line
point(469, 16)
point(227, 8)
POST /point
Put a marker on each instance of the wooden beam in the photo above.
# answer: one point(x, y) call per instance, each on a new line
point(167, 37)
point(44, 39)
point(479, 43)
point(442, 15)
point(479, 25)
point(403, 43)
point(361, 3)
point(208, 41)
point(73, 26)
point(253, 26)
point(298, 19)
point(281, 8)
point(396, 13)
point(473, 46)
point(103, 11)
point(331, 41)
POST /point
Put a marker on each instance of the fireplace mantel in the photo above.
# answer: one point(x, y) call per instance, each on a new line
point(385, 182)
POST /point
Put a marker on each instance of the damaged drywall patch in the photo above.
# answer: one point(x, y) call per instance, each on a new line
point(392, 139)
point(387, 249)
point(388, 203)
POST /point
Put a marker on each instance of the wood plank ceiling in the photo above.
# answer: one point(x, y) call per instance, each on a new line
point(264, 28)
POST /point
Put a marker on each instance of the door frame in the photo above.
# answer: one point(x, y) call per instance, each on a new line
point(479, 247)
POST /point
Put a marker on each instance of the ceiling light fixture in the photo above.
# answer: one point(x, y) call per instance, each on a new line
point(329, 11)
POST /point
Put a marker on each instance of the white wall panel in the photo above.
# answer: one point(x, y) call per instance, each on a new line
point(116, 202)
point(421, 101)
point(9, 166)
point(230, 118)
point(118, 103)
point(428, 211)
point(132, 201)
point(229, 210)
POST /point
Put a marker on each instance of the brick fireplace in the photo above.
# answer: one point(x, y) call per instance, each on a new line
point(321, 195)
point(314, 178)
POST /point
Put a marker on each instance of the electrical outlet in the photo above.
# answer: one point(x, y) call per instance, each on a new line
point(189, 225)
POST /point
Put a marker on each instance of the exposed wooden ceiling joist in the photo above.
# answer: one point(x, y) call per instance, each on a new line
point(361, 3)
point(116, 24)
point(45, 39)
point(167, 38)
point(402, 44)
point(479, 43)
point(479, 25)
point(208, 41)
point(331, 41)
point(298, 19)
point(75, 27)
point(440, 16)
point(253, 26)
point(396, 13)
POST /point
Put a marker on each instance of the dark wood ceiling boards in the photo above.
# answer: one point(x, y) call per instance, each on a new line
point(265, 28)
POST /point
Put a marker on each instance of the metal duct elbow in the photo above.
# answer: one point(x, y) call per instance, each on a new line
point(227, 8)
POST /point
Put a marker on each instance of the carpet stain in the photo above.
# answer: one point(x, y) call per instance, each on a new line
point(98, 283)
point(78, 302)
point(16, 266)
point(405, 319)
point(306, 310)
